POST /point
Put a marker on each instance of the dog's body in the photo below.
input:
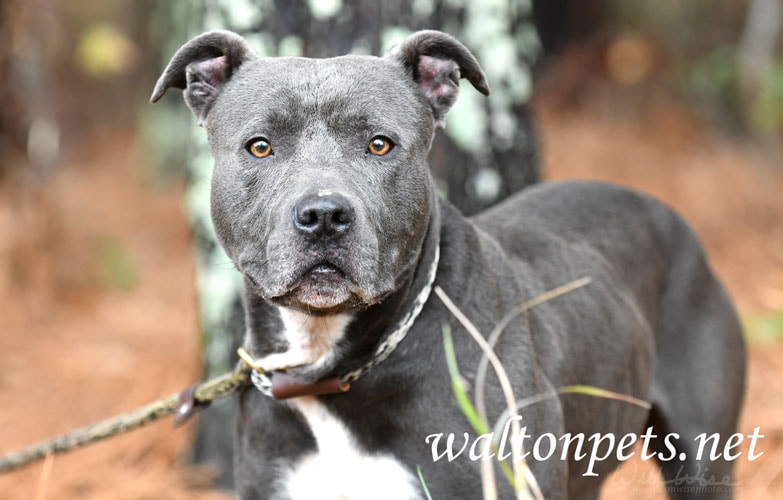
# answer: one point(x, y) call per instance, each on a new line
point(322, 198)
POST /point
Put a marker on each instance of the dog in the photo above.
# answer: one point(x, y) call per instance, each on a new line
point(322, 198)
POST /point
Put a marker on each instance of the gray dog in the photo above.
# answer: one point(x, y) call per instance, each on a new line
point(322, 198)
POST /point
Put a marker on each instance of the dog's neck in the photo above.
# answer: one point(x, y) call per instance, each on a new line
point(312, 348)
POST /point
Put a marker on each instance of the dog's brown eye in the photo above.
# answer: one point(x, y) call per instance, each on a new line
point(260, 148)
point(380, 145)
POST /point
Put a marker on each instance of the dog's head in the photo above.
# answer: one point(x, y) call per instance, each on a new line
point(321, 193)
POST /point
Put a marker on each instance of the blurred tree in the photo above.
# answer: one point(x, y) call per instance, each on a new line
point(723, 57)
point(29, 133)
point(761, 69)
point(487, 152)
point(763, 25)
point(560, 22)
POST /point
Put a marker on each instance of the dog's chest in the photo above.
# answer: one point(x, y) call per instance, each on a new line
point(339, 469)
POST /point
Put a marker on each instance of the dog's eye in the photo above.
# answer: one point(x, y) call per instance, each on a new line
point(380, 145)
point(259, 147)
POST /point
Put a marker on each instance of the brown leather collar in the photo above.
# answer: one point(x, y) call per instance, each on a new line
point(285, 386)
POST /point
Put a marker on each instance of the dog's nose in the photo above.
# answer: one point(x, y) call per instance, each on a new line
point(323, 216)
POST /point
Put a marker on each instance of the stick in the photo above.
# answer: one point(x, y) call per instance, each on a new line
point(204, 393)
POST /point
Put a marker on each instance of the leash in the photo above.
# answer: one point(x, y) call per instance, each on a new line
point(183, 405)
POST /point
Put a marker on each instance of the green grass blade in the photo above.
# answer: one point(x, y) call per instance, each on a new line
point(459, 388)
point(423, 484)
point(465, 405)
point(603, 393)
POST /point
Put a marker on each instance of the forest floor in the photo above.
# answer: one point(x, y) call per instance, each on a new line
point(98, 308)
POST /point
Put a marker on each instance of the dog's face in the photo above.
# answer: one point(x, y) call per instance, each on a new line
point(321, 192)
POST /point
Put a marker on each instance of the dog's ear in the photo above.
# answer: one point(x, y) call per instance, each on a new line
point(201, 67)
point(437, 61)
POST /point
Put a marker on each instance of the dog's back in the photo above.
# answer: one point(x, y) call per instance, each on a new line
point(655, 262)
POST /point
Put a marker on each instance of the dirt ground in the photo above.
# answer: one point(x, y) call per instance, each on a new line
point(98, 305)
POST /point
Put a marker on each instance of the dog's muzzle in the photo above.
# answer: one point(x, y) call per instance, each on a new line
point(323, 220)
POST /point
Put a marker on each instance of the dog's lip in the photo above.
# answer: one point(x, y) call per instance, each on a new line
point(322, 289)
point(319, 270)
point(321, 273)
point(324, 270)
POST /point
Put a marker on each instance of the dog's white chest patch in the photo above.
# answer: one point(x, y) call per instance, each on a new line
point(339, 469)
point(311, 340)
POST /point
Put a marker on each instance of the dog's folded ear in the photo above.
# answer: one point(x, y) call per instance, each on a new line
point(201, 67)
point(437, 61)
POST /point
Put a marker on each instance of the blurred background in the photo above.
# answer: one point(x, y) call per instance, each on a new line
point(113, 292)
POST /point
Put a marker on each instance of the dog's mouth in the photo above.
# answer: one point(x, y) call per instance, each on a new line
point(322, 289)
